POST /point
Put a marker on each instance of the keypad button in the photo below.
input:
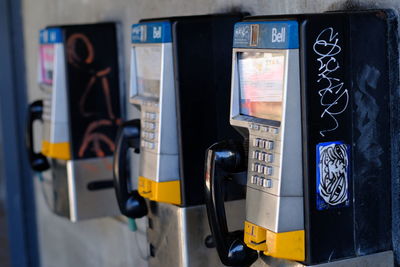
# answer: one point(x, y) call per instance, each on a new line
point(269, 145)
point(264, 143)
point(257, 142)
point(264, 155)
point(261, 168)
point(253, 179)
point(267, 183)
point(268, 157)
point(255, 167)
point(255, 154)
point(268, 170)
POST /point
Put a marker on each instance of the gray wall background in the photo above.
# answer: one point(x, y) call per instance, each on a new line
point(108, 242)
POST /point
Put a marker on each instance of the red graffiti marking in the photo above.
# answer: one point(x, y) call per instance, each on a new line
point(96, 138)
point(92, 138)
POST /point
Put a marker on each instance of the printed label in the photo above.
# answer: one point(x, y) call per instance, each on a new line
point(50, 36)
point(151, 32)
point(266, 34)
point(333, 175)
point(139, 33)
point(47, 63)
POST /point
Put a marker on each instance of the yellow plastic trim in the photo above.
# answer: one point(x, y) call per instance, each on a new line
point(254, 236)
point(286, 245)
point(167, 192)
point(56, 150)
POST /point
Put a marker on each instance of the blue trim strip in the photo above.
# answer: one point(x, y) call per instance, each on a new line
point(51, 36)
point(152, 32)
point(271, 34)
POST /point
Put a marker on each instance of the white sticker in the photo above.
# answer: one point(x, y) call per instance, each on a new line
point(332, 175)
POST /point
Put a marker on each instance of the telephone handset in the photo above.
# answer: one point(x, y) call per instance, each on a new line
point(226, 161)
point(130, 203)
point(37, 160)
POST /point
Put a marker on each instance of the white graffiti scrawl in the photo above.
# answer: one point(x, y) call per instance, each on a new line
point(332, 176)
point(334, 96)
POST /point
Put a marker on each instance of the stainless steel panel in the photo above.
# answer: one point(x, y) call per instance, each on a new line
point(85, 203)
point(66, 192)
point(278, 214)
point(177, 234)
point(148, 164)
point(292, 156)
point(54, 185)
point(160, 168)
point(382, 259)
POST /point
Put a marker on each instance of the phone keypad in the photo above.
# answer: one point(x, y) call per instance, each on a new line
point(47, 102)
point(263, 163)
point(149, 129)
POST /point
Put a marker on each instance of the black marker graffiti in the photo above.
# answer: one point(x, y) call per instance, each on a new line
point(333, 172)
point(334, 98)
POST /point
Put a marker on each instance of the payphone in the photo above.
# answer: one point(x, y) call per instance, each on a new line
point(80, 111)
point(180, 79)
point(313, 94)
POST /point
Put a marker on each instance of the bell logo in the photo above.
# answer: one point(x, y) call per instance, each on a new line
point(157, 32)
point(278, 36)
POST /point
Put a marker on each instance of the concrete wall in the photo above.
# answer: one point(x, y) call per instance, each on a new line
point(108, 242)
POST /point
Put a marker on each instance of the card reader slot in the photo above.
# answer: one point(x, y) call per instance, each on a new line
point(100, 185)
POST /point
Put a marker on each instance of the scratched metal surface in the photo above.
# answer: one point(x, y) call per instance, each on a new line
point(65, 244)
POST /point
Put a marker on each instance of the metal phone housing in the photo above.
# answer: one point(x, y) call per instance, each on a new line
point(183, 116)
point(338, 98)
point(78, 136)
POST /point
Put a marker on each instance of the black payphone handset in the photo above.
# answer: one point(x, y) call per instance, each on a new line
point(130, 203)
point(314, 101)
point(226, 162)
point(37, 160)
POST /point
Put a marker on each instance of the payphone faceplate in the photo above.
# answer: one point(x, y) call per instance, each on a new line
point(266, 102)
point(153, 91)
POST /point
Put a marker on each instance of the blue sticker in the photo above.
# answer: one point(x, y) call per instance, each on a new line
point(266, 34)
point(333, 174)
point(151, 32)
point(51, 36)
